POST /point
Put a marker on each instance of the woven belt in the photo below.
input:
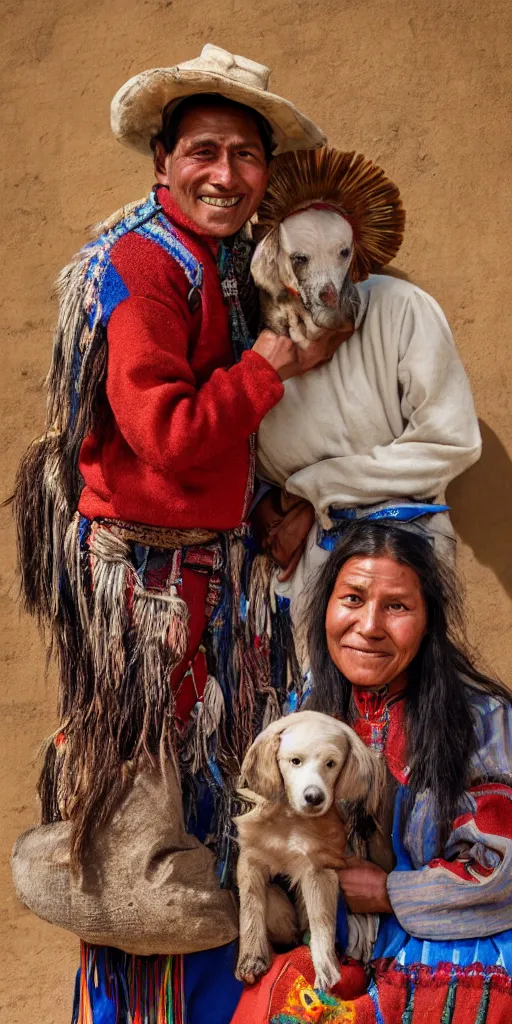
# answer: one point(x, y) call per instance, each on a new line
point(161, 536)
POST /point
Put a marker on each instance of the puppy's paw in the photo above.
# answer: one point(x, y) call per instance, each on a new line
point(250, 967)
point(327, 974)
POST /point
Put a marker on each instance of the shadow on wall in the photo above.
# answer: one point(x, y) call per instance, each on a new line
point(481, 507)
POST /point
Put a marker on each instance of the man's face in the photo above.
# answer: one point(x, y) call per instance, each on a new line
point(217, 171)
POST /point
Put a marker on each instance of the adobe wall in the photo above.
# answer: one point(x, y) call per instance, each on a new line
point(424, 88)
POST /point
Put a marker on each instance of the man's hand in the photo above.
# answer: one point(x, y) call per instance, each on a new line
point(280, 351)
point(363, 885)
point(288, 360)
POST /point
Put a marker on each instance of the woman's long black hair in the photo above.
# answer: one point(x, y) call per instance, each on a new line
point(440, 729)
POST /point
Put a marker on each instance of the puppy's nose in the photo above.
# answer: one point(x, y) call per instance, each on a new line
point(313, 796)
point(328, 295)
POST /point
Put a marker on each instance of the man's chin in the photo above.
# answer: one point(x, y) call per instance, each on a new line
point(220, 222)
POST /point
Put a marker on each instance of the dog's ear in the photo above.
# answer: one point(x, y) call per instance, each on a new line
point(264, 268)
point(286, 273)
point(260, 768)
point(362, 777)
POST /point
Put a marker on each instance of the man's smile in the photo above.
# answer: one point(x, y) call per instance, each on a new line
point(218, 201)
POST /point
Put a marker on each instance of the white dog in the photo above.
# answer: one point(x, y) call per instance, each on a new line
point(297, 771)
point(301, 268)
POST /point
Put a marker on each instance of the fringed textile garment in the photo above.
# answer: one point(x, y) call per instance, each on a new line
point(185, 644)
point(195, 989)
point(165, 638)
point(247, 643)
point(428, 967)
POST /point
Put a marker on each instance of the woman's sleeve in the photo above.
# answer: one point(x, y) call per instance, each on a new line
point(467, 893)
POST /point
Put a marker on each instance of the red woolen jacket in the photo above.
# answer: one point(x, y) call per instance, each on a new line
point(173, 447)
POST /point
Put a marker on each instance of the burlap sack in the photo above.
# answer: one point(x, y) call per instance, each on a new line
point(150, 887)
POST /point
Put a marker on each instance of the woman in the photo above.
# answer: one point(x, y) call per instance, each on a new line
point(386, 655)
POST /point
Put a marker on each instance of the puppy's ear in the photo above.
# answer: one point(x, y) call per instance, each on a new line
point(260, 768)
point(286, 272)
point(362, 777)
point(264, 268)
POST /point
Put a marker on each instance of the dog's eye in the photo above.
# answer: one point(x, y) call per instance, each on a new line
point(299, 259)
point(345, 253)
point(330, 764)
point(295, 760)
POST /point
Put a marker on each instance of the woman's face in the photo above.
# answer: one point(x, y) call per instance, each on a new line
point(376, 619)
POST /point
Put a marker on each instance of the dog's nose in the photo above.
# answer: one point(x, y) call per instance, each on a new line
point(313, 796)
point(328, 295)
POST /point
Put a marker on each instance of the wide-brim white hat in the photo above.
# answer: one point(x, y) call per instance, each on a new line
point(136, 110)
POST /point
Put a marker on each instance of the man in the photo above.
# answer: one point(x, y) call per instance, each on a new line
point(131, 512)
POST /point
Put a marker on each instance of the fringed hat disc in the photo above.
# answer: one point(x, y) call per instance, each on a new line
point(347, 183)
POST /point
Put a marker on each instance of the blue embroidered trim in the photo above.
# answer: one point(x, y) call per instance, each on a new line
point(112, 292)
point(404, 513)
point(101, 248)
point(291, 703)
point(160, 231)
point(104, 288)
point(150, 222)
point(407, 513)
point(373, 992)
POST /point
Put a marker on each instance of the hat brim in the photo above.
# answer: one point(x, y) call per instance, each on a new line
point(136, 109)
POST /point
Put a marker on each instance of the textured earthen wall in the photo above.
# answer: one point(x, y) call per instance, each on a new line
point(424, 88)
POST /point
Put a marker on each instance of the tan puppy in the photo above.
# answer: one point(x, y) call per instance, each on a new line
point(301, 269)
point(297, 771)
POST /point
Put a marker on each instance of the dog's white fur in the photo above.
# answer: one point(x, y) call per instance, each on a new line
point(301, 269)
point(296, 771)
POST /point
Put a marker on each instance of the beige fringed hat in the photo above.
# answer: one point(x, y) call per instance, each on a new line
point(136, 111)
point(348, 183)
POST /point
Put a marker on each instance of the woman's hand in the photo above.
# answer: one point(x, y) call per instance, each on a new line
point(363, 885)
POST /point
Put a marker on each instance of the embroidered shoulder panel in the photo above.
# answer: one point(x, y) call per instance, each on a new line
point(103, 287)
